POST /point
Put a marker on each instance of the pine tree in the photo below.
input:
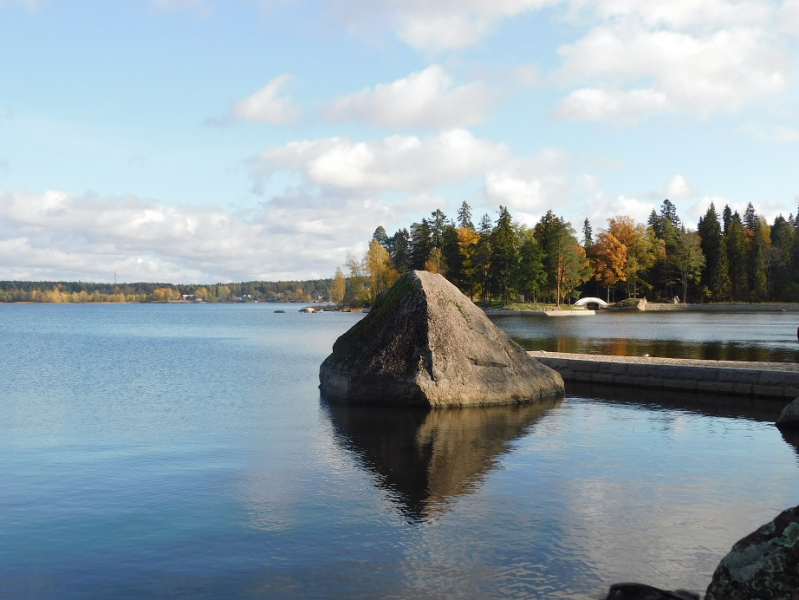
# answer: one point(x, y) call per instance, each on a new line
point(452, 257)
point(715, 276)
point(437, 223)
point(588, 235)
point(465, 216)
point(669, 211)
point(401, 250)
point(421, 244)
point(736, 250)
point(504, 256)
point(750, 217)
point(532, 276)
point(481, 259)
point(758, 279)
point(783, 239)
point(726, 218)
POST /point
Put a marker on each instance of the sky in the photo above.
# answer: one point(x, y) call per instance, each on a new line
point(203, 141)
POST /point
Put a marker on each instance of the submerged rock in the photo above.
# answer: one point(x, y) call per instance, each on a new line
point(425, 343)
point(763, 565)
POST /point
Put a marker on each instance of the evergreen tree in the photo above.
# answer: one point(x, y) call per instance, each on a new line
point(381, 237)
point(437, 223)
point(726, 218)
point(588, 235)
point(758, 279)
point(655, 221)
point(481, 259)
point(401, 250)
point(421, 244)
point(669, 212)
point(783, 239)
point(452, 257)
point(504, 256)
point(532, 276)
point(750, 217)
point(736, 251)
point(715, 276)
point(465, 216)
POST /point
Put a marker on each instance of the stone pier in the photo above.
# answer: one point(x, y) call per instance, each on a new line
point(774, 381)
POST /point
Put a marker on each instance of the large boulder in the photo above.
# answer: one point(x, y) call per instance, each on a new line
point(764, 565)
point(424, 343)
point(789, 417)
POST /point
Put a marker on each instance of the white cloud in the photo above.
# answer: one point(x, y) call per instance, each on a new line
point(55, 235)
point(426, 98)
point(436, 26)
point(603, 206)
point(406, 163)
point(698, 74)
point(773, 133)
point(267, 105)
point(592, 104)
point(531, 186)
point(679, 187)
point(679, 14)
point(789, 17)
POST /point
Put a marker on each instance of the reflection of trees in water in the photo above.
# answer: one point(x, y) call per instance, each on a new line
point(664, 348)
point(424, 458)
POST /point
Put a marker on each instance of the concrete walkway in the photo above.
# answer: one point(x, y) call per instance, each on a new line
point(776, 381)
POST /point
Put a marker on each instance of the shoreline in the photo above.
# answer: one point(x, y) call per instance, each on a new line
point(650, 307)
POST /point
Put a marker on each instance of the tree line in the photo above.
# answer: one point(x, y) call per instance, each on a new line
point(82, 292)
point(728, 257)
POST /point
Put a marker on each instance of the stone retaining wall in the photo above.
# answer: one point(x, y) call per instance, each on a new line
point(776, 381)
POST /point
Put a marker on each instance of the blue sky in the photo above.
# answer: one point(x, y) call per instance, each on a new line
point(203, 141)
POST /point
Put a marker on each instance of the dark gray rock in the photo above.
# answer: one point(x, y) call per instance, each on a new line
point(762, 566)
point(789, 417)
point(424, 343)
point(639, 591)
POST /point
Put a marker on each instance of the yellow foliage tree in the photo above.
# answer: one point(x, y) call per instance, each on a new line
point(379, 269)
point(339, 286)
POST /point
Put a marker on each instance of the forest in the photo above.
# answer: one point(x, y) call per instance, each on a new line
point(727, 258)
point(79, 292)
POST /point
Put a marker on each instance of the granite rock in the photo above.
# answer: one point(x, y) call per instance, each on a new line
point(789, 417)
point(424, 343)
point(762, 566)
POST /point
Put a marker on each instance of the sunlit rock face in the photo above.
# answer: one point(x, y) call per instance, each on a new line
point(426, 344)
point(761, 565)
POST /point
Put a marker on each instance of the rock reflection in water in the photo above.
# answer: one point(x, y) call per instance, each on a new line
point(791, 436)
point(426, 457)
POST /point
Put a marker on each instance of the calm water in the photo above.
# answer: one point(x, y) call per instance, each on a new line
point(712, 336)
point(158, 451)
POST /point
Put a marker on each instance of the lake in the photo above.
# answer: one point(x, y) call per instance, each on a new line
point(183, 450)
point(766, 336)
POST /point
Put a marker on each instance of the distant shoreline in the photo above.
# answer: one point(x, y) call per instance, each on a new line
point(651, 307)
